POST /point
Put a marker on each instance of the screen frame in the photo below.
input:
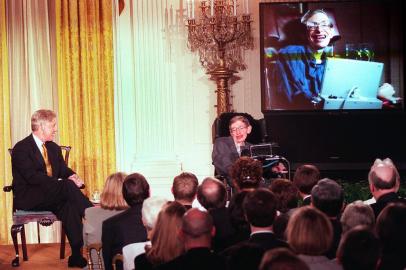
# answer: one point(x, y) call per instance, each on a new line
point(266, 107)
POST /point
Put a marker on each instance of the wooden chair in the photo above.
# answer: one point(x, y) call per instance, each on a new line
point(44, 218)
point(117, 259)
point(92, 264)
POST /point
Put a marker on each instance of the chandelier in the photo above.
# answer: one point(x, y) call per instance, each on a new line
point(220, 36)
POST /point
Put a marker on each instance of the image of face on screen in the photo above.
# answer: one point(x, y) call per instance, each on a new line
point(319, 29)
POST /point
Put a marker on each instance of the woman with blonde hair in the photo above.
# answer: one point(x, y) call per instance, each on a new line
point(310, 235)
point(165, 243)
point(111, 203)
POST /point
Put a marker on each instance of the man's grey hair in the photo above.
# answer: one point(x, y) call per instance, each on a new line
point(310, 13)
point(41, 116)
point(150, 210)
point(357, 213)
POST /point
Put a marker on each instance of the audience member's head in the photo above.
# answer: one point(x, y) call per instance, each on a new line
point(383, 177)
point(391, 228)
point(357, 213)
point(282, 259)
point(309, 231)
point(112, 194)
point(260, 208)
point(135, 189)
point(328, 197)
point(197, 229)
point(279, 225)
point(184, 188)
point(237, 216)
point(246, 173)
point(211, 193)
point(286, 193)
point(305, 178)
point(150, 210)
point(359, 249)
point(165, 243)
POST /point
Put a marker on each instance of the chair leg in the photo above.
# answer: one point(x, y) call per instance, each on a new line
point(38, 235)
point(24, 243)
point(63, 240)
point(15, 229)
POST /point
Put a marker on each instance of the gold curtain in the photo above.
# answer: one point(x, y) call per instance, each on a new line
point(84, 44)
point(5, 135)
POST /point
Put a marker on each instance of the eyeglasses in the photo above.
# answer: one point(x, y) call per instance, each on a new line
point(234, 130)
point(322, 26)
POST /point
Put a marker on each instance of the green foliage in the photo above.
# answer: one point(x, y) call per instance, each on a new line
point(359, 190)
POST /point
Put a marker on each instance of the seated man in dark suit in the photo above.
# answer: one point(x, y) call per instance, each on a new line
point(226, 150)
point(260, 211)
point(184, 188)
point(127, 227)
point(42, 181)
point(211, 194)
point(196, 232)
point(384, 182)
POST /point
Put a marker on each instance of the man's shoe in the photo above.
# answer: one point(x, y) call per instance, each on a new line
point(77, 261)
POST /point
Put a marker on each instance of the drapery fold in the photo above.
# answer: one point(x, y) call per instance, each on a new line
point(5, 135)
point(84, 45)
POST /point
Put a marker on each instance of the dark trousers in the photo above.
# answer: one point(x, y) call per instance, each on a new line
point(68, 203)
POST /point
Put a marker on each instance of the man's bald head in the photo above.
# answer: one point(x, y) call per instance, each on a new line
point(383, 174)
point(196, 223)
point(211, 193)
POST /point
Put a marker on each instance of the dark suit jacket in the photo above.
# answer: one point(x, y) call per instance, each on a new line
point(225, 154)
point(384, 200)
point(225, 233)
point(196, 258)
point(30, 179)
point(121, 230)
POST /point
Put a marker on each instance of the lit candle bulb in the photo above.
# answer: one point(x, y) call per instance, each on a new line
point(246, 7)
point(193, 9)
point(188, 8)
point(212, 8)
point(235, 8)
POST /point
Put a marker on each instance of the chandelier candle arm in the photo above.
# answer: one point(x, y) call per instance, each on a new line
point(220, 40)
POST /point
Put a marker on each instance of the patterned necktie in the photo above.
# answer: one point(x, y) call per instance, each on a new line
point(47, 163)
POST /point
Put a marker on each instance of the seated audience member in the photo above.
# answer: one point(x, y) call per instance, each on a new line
point(246, 173)
point(260, 211)
point(359, 249)
point(390, 227)
point(328, 197)
point(237, 217)
point(357, 213)
point(126, 228)
point(165, 242)
point(211, 194)
point(286, 193)
point(150, 210)
point(280, 224)
point(196, 233)
point(226, 150)
point(384, 182)
point(282, 259)
point(300, 68)
point(305, 178)
point(184, 188)
point(310, 235)
point(111, 203)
